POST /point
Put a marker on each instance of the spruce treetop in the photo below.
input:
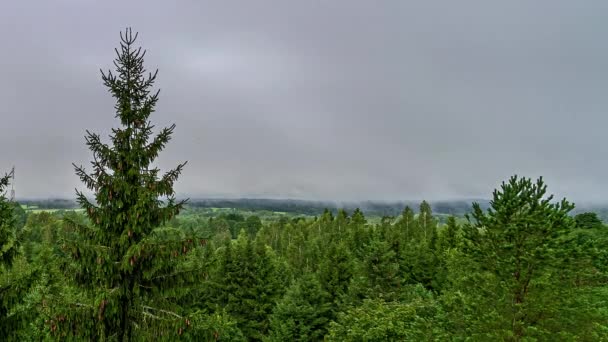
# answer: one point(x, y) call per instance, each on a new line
point(127, 189)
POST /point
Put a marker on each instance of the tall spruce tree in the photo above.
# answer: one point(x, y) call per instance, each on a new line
point(121, 255)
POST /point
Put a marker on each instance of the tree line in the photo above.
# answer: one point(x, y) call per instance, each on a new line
point(375, 208)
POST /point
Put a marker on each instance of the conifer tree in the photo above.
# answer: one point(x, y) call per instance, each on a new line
point(341, 222)
point(9, 288)
point(358, 218)
point(8, 240)
point(122, 256)
point(426, 223)
point(588, 220)
point(407, 223)
point(518, 244)
point(327, 217)
point(335, 274)
point(418, 318)
point(418, 257)
point(358, 234)
point(253, 225)
point(377, 274)
point(302, 314)
point(296, 249)
point(247, 285)
point(450, 234)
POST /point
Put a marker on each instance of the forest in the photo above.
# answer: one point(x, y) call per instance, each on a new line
point(135, 263)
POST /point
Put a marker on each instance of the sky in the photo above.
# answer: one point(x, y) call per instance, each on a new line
point(332, 100)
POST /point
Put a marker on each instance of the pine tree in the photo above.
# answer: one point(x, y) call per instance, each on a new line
point(247, 283)
point(517, 245)
point(122, 255)
point(295, 252)
point(416, 317)
point(10, 289)
point(335, 274)
point(302, 314)
point(8, 241)
point(418, 257)
point(407, 223)
point(358, 234)
point(342, 220)
point(253, 225)
point(588, 221)
point(271, 279)
point(377, 274)
point(450, 234)
point(358, 218)
point(426, 222)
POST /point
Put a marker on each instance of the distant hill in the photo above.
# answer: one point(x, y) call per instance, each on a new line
point(51, 203)
point(304, 207)
point(371, 208)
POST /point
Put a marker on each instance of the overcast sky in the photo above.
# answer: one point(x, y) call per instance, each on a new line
point(314, 99)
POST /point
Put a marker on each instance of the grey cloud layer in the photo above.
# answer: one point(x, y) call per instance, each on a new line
point(320, 99)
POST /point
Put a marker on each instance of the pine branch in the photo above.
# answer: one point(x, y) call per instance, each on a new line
point(88, 180)
point(158, 144)
point(171, 275)
point(165, 184)
point(163, 311)
point(99, 149)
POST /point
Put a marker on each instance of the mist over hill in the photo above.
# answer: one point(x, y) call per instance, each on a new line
point(297, 206)
point(372, 208)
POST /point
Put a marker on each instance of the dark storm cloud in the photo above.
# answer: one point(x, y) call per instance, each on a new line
point(320, 99)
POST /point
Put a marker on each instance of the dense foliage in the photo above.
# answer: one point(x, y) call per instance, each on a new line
point(521, 270)
point(128, 267)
